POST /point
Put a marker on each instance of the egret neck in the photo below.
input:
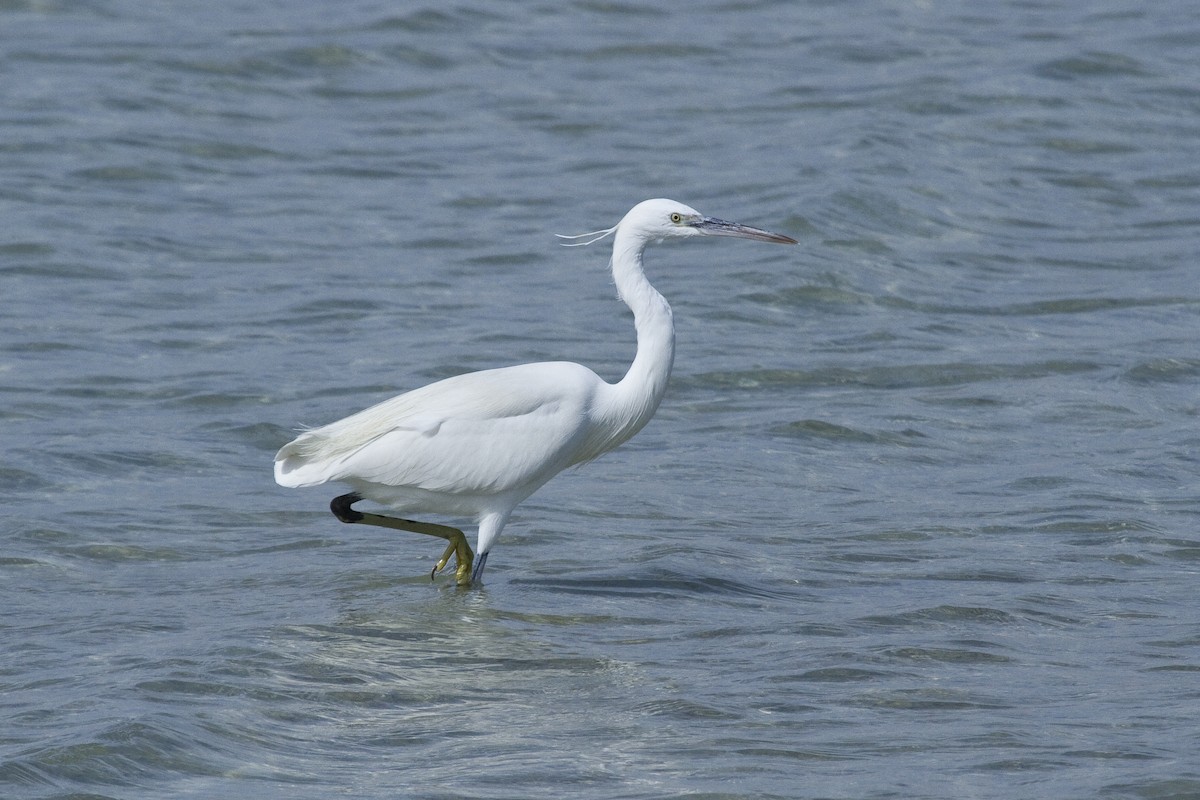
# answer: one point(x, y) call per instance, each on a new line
point(637, 395)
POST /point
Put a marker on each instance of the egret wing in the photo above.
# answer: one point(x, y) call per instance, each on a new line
point(479, 433)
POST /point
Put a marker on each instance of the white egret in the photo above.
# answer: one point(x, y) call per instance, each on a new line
point(476, 445)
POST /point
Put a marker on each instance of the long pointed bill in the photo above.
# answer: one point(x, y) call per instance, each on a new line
point(719, 227)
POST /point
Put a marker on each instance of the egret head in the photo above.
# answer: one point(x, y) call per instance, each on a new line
point(659, 219)
point(663, 219)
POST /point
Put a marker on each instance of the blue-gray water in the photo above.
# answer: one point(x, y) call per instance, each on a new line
point(919, 516)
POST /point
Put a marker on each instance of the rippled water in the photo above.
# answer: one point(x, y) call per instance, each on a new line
point(919, 516)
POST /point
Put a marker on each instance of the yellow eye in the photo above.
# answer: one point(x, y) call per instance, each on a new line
point(677, 218)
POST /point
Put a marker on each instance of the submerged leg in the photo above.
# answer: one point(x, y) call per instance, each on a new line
point(478, 572)
point(342, 508)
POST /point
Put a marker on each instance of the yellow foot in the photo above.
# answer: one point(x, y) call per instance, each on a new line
point(458, 548)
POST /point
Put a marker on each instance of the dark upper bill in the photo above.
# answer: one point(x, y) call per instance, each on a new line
point(719, 227)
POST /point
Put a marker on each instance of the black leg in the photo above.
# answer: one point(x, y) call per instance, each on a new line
point(342, 508)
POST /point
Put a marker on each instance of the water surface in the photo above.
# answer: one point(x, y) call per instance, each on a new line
point(919, 516)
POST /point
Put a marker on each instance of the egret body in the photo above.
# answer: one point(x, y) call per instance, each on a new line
point(476, 445)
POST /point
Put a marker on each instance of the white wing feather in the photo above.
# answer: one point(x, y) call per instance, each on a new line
point(533, 418)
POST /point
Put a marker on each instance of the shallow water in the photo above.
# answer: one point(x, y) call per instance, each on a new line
point(919, 516)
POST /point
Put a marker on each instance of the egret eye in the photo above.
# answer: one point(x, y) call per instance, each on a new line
point(677, 218)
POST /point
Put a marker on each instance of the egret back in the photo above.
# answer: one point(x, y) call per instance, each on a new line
point(481, 433)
